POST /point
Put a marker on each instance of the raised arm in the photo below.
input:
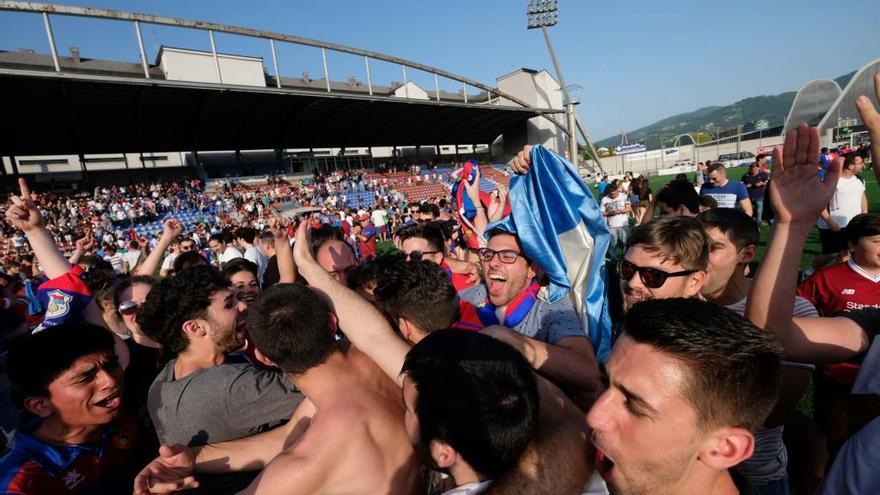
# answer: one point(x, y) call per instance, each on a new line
point(473, 192)
point(362, 323)
point(283, 253)
point(798, 196)
point(83, 246)
point(24, 214)
point(871, 119)
point(171, 228)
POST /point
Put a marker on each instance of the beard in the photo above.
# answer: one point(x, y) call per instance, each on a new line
point(228, 340)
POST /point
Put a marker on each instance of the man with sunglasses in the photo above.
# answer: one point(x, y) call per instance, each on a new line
point(425, 241)
point(508, 306)
point(664, 258)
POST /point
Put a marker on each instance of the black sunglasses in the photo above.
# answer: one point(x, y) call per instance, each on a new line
point(418, 255)
point(651, 277)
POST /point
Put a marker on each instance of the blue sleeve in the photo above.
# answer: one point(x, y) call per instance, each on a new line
point(741, 191)
point(369, 232)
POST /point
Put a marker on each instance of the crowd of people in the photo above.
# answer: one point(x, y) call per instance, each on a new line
point(284, 338)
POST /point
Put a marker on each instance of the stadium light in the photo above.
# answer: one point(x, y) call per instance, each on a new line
point(542, 13)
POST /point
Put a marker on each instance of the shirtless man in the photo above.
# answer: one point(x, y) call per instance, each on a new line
point(471, 464)
point(349, 437)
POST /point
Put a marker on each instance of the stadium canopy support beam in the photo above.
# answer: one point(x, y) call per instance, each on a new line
point(14, 163)
point(83, 167)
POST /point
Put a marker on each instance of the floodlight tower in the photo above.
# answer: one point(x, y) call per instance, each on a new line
point(543, 14)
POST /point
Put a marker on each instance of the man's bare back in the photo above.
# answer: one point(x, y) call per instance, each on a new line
point(356, 442)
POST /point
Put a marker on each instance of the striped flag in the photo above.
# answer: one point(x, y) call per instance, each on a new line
point(561, 228)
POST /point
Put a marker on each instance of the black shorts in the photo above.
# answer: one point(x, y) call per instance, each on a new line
point(832, 242)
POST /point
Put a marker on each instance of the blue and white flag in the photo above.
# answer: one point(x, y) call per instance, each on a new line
point(561, 229)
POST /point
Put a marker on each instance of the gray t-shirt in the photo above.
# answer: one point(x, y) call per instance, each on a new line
point(220, 403)
point(546, 322)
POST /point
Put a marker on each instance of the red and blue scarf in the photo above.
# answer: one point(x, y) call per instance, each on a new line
point(478, 317)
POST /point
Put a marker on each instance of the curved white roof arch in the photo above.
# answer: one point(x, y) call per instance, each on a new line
point(811, 103)
point(844, 108)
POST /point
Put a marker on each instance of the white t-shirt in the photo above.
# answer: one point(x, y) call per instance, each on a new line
point(846, 202)
point(168, 262)
point(131, 257)
point(378, 217)
point(230, 254)
point(254, 255)
point(619, 203)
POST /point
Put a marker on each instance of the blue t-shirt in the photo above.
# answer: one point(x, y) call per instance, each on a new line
point(728, 195)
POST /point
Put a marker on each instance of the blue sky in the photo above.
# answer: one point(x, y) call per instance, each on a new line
point(637, 61)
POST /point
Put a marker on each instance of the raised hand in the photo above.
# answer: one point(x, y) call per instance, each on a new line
point(521, 163)
point(871, 119)
point(302, 248)
point(278, 226)
point(86, 243)
point(499, 202)
point(797, 194)
point(171, 228)
point(170, 472)
point(473, 190)
point(23, 213)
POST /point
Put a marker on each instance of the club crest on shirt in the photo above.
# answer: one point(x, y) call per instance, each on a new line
point(59, 304)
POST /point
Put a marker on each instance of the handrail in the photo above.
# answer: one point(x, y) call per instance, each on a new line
point(256, 33)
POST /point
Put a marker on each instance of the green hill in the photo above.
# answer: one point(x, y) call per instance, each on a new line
point(773, 109)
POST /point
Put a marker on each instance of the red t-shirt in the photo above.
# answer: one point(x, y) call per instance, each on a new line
point(842, 287)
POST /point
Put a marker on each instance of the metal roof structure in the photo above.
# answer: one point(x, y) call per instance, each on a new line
point(71, 105)
point(824, 104)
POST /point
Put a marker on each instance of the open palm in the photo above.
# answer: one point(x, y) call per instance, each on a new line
point(796, 192)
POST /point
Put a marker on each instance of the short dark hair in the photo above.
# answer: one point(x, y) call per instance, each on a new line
point(36, 360)
point(239, 265)
point(734, 223)
point(246, 233)
point(708, 202)
point(419, 291)
point(475, 393)
point(176, 300)
point(862, 225)
point(187, 260)
point(219, 237)
point(366, 275)
point(849, 159)
point(735, 366)
point(677, 193)
point(323, 234)
point(431, 208)
point(681, 240)
point(715, 167)
point(430, 231)
point(290, 325)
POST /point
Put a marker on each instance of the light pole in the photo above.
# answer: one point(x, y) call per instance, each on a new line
point(543, 14)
